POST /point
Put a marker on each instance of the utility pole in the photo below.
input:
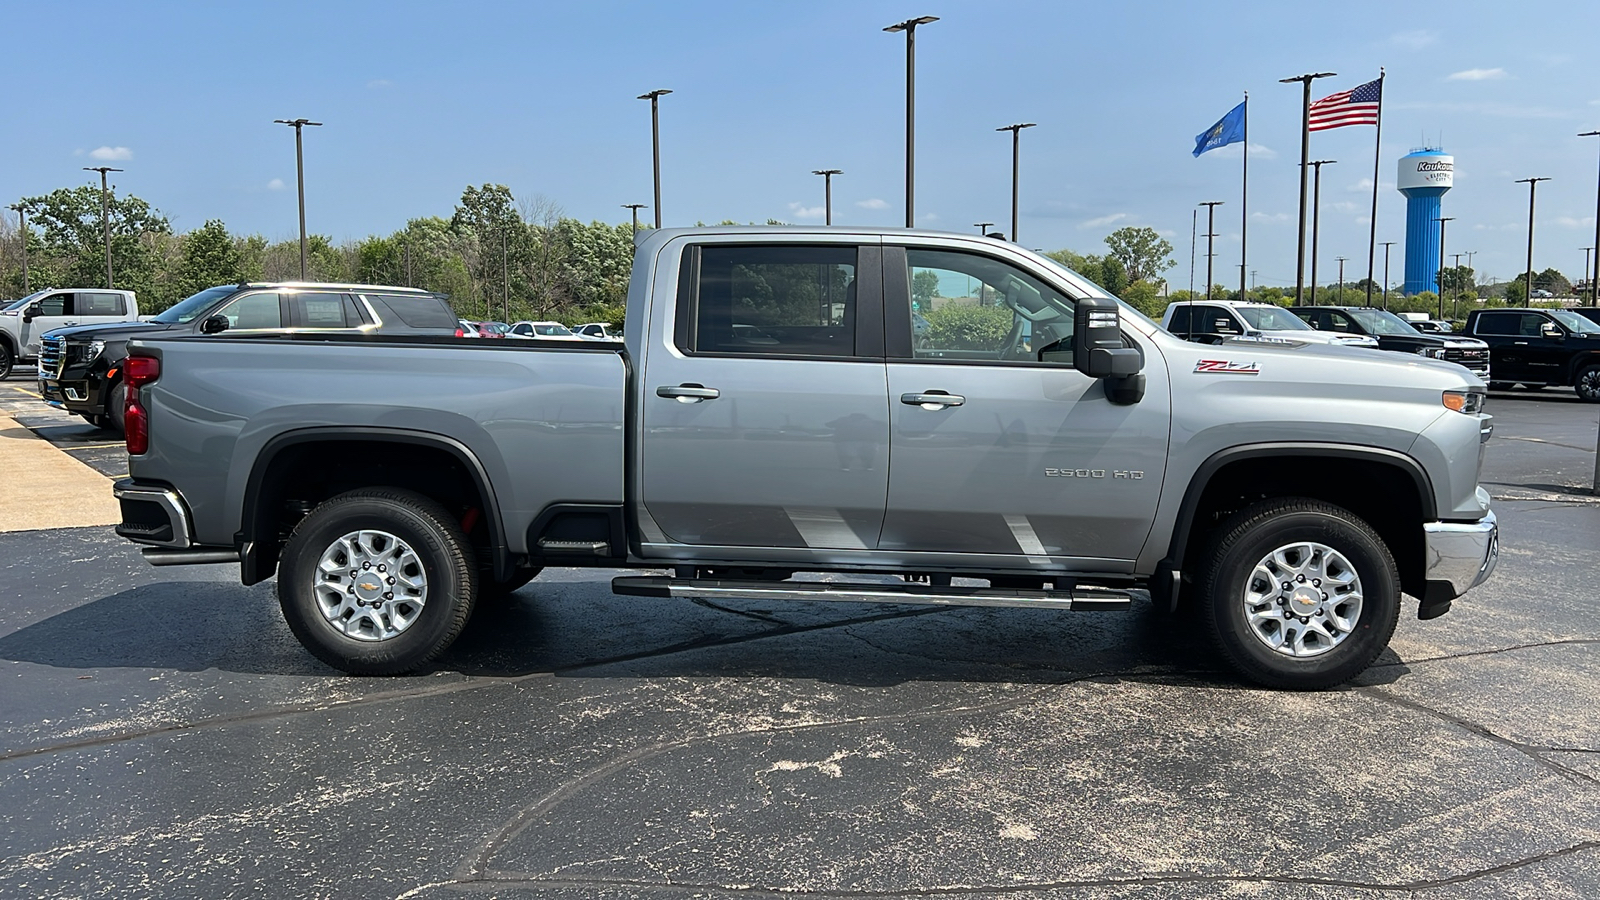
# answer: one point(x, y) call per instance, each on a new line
point(635, 207)
point(1316, 218)
point(983, 227)
point(1440, 277)
point(1194, 216)
point(655, 142)
point(1211, 232)
point(22, 213)
point(909, 26)
point(1594, 281)
point(1341, 260)
point(1533, 185)
point(105, 213)
point(407, 246)
point(505, 274)
point(1386, 246)
point(300, 178)
point(1016, 133)
point(1305, 156)
point(827, 191)
point(1586, 265)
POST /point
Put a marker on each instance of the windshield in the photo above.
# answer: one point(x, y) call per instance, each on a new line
point(18, 304)
point(1378, 321)
point(1127, 308)
point(1265, 318)
point(185, 311)
point(1573, 321)
point(551, 329)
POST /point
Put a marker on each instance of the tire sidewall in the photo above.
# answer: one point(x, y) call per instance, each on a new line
point(1592, 395)
point(1380, 600)
point(447, 588)
point(8, 360)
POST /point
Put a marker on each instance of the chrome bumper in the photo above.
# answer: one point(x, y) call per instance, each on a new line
point(153, 516)
point(1462, 555)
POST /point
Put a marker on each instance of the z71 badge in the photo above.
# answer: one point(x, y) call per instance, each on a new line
point(1226, 367)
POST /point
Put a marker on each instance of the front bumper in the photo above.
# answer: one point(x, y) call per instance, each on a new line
point(1460, 556)
point(74, 395)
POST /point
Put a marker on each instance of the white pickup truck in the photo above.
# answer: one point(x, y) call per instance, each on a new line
point(23, 322)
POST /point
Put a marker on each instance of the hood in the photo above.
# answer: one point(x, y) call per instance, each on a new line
point(110, 331)
point(1320, 364)
point(1322, 337)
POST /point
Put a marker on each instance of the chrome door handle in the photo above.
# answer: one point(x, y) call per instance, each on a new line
point(1520, 343)
point(933, 400)
point(688, 393)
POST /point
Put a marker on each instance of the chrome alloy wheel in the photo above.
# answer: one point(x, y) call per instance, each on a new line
point(370, 585)
point(1303, 599)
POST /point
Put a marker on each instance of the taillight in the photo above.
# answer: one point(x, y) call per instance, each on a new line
point(137, 371)
point(459, 332)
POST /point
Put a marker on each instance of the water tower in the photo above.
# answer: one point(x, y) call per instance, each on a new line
point(1425, 175)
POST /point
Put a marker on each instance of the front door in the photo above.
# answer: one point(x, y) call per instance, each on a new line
point(996, 453)
point(1510, 354)
point(763, 405)
point(55, 311)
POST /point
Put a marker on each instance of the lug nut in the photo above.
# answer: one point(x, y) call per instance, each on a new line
point(1324, 596)
point(382, 569)
point(388, 596)
point(1316, 582)
point(1300, 578)
point(390, 579)
point(1286, 585)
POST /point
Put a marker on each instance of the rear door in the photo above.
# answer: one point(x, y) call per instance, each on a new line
point(763, 405)
point(1508, 347)
point(994, 452)
point(322, 310)
point(94, 307)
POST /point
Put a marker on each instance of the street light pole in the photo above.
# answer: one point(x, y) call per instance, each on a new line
point(655, 142)
point(1439, 278)
point(1316, 217)
point(1533, 185)
point(1341, 260)
point(1211, 232)
point(909, 26)
point(22, 213)
point(1016, 132)
point(1594, 282)
point(635, 207)
point(983, 227)
point(827, 191)
point(1386, 246)
point(1305, 155)
point(105, 213)
point(1586, 266)
point(300, 178)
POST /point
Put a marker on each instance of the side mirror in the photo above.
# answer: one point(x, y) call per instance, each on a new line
point(1097, 349)
point(34, 310)
point(214, 324)
point(1550, 330)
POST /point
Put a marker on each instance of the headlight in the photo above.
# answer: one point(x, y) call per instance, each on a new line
point(1469, 402)
point(93, 351)
point(1431, 352)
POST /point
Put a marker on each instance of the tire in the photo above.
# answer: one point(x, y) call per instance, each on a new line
point(116, 409)
point(1296, 539)
point(489, 589)
point(1499, 385)
point(376, 632)
point(7, 360)
point(1587, 385)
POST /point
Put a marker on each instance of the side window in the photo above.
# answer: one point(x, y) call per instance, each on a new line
point(54, 305)
point(320, 310)
point(1311, 318)
point(253, 311)
point(97, 304)
point(416, 310)
point(1533, 325)
point(1220, 321)
point(774, 300)
point(965, 306)
point(523, 329)
point(1340, 322)
point(1179, 322)
point(1497, 323)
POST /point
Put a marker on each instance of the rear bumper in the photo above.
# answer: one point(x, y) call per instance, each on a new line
point(1460, 556)
point(153, 515)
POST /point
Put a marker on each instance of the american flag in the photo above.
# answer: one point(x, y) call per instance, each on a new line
point(1358, 106)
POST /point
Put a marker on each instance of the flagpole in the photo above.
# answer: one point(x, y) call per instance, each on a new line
point(1377, 149)
point(1244, 202)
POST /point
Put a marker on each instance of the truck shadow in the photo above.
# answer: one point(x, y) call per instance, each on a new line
point(581, 630)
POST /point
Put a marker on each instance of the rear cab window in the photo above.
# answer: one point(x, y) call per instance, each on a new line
point(772, 300)
point(421, 311)
point(98, 303)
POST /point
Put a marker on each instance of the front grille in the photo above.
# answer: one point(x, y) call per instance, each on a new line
point(52, 356)
point(1476, 360)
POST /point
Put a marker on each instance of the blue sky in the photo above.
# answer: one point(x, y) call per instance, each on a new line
point(421, 99)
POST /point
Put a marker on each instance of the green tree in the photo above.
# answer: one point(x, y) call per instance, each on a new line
point(496, 239)
point(1143, 296)
point(1552, 281)
point(1516, 293)
point(209, 258)
point(925, 287)
point(72, 251)
point(1142, 252)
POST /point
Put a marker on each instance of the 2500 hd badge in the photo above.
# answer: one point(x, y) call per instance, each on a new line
point(1092, 473)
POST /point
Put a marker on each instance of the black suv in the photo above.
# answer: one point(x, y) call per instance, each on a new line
point(1394, 333)
point(79, 368)
point(1540, 347)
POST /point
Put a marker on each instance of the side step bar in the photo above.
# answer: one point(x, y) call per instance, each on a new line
point(1081, 599)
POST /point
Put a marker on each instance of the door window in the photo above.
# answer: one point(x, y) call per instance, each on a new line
point(1340, 322)
point(784, 301)
point(965, 306)
point(254, 311)
point(318, 310)
point(89, 303)
point(1498, 323)
point(54, 305)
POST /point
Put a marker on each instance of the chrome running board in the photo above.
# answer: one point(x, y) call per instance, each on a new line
point(1080, 598)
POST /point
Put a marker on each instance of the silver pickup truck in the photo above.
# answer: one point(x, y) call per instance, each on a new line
point(953, 411)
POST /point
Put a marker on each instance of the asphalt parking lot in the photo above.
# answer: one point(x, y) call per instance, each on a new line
point(162, 734)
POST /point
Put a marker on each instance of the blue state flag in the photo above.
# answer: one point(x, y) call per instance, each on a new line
point(1228, 130)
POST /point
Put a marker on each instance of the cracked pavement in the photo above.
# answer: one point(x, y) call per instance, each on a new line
point(162, 734)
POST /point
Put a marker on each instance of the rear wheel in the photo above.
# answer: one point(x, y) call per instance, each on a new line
point(1588, 385)
point(377, 581)
point(7, 359)
point(1299, 594)
point(116, 409)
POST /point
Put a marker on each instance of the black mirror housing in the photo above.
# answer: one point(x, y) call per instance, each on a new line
point(214, 325)
point(1097, 341)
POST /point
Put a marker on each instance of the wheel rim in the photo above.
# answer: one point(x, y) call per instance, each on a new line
point(370, 585)
point(1303, 599)
point(1589, 384)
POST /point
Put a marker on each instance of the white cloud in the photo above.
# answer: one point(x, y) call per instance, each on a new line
point(379, 83)
point(929, 217)
point(1478, 75)
point(874, 203)
point(1570, 222)
point(1269, 217)
point(275, 184)
point(1414, 40)
point(802, 211)
point(1257, 151)
point(1103, 220)
point(1345, 206)
point(111, 153)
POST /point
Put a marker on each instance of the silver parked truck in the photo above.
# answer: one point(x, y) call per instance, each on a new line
point(968, 418)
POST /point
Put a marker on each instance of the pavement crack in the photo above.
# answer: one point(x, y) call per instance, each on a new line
point(1491, 652)
point(760, 617)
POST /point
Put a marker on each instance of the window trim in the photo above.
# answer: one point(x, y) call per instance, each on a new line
point(285, 311)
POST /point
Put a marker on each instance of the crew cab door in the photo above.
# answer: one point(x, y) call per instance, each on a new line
point(1510, 353)
point(55, 311)
point(993, 452)
point(762, 403)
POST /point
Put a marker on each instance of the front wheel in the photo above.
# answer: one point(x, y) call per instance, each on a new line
point(377, 581)
point(1299, 594)
point(7, 360)
point(1588, 385)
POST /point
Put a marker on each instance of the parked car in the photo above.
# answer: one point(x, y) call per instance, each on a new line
point(81, 369)
point(23, 323)
point(1288, 491)
point(493, 329)
point(1434, 326)
point(604, 331)
point(1214, 320)
point(1540, 347)
point(467, 328)
point(1396, 334)
point(554, 331)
